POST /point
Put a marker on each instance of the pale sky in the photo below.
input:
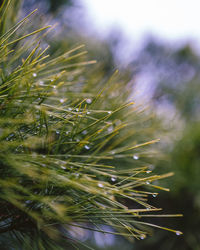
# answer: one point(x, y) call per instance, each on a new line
point(171, 19)
point(174, 21)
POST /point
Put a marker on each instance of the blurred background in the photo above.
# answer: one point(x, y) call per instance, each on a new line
point(157, 43)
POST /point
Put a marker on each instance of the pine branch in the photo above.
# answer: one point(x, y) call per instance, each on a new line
point(69, 153)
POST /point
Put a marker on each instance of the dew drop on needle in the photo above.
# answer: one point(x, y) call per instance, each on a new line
point(113, 178)
point(87, 147)
point(100, 185)
point(89, 101)
point(135, 157)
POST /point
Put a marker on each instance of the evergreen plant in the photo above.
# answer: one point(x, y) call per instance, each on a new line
point(73, 148)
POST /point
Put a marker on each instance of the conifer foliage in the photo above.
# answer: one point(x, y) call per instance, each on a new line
point(70, 145)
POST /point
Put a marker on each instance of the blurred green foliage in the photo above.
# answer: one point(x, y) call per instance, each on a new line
point(54, 5)
point(177, 84)
point(48, 6)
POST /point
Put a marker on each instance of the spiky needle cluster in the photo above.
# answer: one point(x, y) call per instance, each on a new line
point(69, 153)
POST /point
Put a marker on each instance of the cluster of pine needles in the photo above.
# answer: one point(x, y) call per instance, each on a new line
point(70, 145)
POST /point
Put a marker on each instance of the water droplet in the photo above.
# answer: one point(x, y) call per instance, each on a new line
point(41, 83)
point(57, 132)
point(110, 129)
point(100, 185)
point(67, 132)
point(87, 147)
point(51, 80)
point(109, 112)
point(135, 157)
point(154, 195)
point(34, 74)
point(88, 112)
point(62, 100)
point(77, 109)
point(142, 237)
point(63, 167)
point(113, 178)
point(118, 122)
point(28, 202)
point(148, 171)
point(178, 233)
point(54, 86)
point(89, 101)
point(70, 109)
point(147, 182)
